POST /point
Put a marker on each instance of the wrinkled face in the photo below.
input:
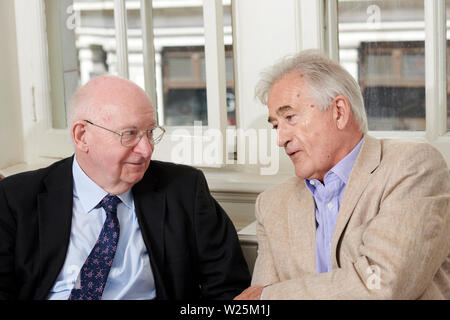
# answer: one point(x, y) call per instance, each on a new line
point(111, 165)
point(307, 134)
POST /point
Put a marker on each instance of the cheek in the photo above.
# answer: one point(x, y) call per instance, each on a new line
point(316, 145)
point(114, 159)
point(307, 137)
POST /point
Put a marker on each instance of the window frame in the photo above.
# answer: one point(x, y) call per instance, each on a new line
point(43, 144)
point(40, 139)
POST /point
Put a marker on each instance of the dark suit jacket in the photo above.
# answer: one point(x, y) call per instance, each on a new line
point(193, 245)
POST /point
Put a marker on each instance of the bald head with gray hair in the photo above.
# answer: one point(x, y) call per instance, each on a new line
point(325, 78)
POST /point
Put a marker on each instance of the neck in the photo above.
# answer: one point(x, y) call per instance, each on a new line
point(348, 142)
point(112, 187)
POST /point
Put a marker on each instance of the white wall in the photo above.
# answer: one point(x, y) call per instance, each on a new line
point(265, 31)
point(11, 141)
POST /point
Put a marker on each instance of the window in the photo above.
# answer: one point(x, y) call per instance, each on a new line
point(180, 52)
point(392, 80)
point(381, 44)
point(257, 33)
point(184, 86)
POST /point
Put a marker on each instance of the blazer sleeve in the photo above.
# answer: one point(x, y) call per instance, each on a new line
point(401, 248)
point(222, 267)
point(8, 288)
point(264, 272)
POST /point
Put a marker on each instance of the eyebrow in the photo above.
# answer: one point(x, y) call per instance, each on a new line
point(280, 111)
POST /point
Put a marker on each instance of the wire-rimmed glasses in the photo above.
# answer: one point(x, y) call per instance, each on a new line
point(131, 137)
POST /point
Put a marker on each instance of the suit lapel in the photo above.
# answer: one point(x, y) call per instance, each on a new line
point(365, 164)
point(302, 226)
point(150, 210)
point(55, 217)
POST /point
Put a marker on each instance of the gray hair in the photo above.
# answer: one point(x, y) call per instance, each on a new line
point(326, 80)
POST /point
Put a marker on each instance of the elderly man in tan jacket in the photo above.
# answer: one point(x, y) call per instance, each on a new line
point(363, 218)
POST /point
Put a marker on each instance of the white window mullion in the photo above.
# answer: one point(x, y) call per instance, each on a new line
point(435, 69)
point(120, 21)
point(215, 68)
point(332, 29)
point(149, 51)
point(159, 88)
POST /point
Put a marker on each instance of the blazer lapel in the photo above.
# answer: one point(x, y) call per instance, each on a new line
point(302, 226)
point(55, 217)
point(150, 210)
point(365, 164)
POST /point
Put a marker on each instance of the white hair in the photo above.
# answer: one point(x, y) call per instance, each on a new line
point(74, 107)
point(326, 80)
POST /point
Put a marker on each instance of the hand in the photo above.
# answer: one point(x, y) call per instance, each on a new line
point(251, 293)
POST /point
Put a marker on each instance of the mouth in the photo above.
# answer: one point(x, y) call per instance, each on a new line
point(136, 164)
point(292, 153)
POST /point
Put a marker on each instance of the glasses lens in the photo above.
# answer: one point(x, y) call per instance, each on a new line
point(156, 135)
point(130, 138)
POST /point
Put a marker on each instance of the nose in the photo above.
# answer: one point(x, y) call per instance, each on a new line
point(284, 136)
point(144, 147)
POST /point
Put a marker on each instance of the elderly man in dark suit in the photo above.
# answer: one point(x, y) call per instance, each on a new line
point(109, 223)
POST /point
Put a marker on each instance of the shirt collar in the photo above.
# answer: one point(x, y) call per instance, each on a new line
point(342, 169)
point(89, 193)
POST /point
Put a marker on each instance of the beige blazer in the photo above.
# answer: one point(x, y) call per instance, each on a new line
point(392, 235)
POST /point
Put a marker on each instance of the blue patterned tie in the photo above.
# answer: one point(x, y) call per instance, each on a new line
point(94, 273)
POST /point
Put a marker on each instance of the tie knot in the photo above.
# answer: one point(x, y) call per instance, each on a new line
point(110, 202)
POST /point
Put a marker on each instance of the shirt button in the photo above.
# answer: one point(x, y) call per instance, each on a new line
point(330, 205)
point(311, 183)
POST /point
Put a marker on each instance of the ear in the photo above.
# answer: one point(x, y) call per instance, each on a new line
point(341, 112)
point(79, 136)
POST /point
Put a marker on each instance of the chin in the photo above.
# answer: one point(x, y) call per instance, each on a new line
point(132, 177)
point(302, 174)
point(135, 178)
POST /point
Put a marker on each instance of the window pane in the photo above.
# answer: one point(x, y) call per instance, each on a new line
point(179, 46)
point(179, 68)
point(95, 39)
point(179, 53)
point(381, 43)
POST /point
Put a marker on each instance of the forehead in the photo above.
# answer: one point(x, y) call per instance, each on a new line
point(287, 93)
point(123, 105)
point(128, 115)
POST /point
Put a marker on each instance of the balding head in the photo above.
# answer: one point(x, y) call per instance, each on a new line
point(100, 92)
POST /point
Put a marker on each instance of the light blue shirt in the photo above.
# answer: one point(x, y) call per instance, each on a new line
point(131, 276)
point(328, 198)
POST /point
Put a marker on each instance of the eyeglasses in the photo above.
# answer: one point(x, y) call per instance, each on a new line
point(130, 138)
